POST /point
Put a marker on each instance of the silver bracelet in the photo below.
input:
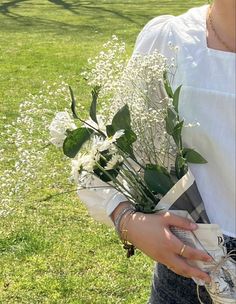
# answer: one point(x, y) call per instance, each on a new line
point(120, 216)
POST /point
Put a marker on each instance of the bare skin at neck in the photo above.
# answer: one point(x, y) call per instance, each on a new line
point(224, 20)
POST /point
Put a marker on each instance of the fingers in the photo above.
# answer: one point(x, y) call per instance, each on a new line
point(181, 267)
point(176, 245)
point(195, 254)
point(152, 235)
point(178, 221)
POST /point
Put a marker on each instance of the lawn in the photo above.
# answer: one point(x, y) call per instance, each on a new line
point(51, 250)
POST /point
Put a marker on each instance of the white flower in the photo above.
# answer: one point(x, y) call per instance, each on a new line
point(117, 135)
point(87, 162)
point(101, 144)
point(115, 160)
point(58, 127)
point(97, 126)
point(104, 145)
point(82, 168)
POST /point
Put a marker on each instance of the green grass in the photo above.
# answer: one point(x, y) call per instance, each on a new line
point(52, 251)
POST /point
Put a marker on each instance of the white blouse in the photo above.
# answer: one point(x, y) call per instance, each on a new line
point(207, 103)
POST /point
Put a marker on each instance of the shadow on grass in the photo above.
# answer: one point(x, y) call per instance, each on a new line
point(6, 7)
point(23, 23)
point(94, 13)
point(73, 8)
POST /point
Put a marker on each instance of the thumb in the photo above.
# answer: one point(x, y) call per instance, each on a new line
point(179, 221)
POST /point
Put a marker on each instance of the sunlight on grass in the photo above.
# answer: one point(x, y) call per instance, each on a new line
point(51, 250)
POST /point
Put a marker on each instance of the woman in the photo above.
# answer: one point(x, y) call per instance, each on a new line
point(206, 69)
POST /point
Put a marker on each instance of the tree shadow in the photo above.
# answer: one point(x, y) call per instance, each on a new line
point(46, 25)
point(96, 11)
point(73, 8)
point(62, 3)
point(5, 7)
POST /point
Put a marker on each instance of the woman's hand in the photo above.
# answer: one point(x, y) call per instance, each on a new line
point(151, 234)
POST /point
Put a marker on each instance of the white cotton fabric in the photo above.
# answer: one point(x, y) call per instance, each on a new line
point(207, 102)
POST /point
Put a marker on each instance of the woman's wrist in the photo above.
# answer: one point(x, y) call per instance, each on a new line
point(122, 216)
point(119, 220)
point(124, 230)
point(119, 209)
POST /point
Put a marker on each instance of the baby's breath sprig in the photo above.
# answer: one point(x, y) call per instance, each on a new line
point(26, 152)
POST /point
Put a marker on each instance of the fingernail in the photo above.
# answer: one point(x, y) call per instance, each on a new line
point(193, 226)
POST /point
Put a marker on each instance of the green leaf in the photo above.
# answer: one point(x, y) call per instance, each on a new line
point(157, 179)
point(176, 99)
point(121, 119)
point(73, 103)
point(177, 134)
point(110, 130)
point(75, 140)
point(93, 107)
point(170, 121)
point(129, 137)
point(125, 142)
point(167, 85)
point(171, 114)
point(181, 166)
point(193, 157)
point(112, 174)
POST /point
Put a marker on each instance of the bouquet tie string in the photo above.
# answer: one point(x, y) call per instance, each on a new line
point(216, 269)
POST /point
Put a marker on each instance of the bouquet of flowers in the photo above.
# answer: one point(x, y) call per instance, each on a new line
point(135, 146)
point(132, 142)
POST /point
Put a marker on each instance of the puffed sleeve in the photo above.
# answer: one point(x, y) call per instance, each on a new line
point(100, 200)
point(155, 35)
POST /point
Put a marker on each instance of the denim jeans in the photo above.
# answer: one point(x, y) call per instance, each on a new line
point(170, 288)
